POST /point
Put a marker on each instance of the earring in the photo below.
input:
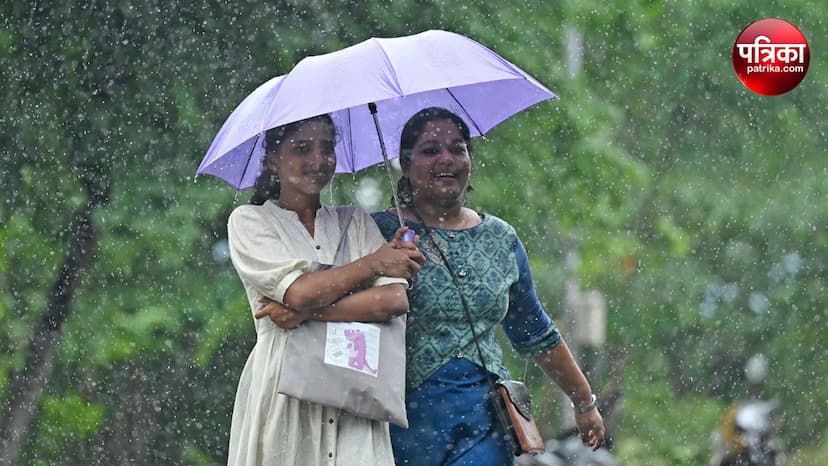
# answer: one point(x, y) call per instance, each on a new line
point(405, 192)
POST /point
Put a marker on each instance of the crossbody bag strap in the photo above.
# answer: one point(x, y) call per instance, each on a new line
point(499, 410)
point(459, 286)
point(343, 251)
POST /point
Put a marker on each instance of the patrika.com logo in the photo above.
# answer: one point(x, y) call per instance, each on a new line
point(771, 56)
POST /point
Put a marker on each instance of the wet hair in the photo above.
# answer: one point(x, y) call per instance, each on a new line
point(267, 184)
point(412, 131)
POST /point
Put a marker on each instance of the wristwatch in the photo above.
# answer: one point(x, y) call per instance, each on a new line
point(593, 403)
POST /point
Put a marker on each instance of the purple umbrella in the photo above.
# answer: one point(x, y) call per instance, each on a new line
point(378, 79)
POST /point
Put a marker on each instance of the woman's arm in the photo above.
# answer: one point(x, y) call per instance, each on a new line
point(375, 304)
point(531, 331)
point(314, 290)
point(264, 262)
point(560, 366)
point(558, 363)
point(379, 262)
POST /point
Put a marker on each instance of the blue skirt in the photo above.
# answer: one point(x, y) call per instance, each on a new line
point(451, 421)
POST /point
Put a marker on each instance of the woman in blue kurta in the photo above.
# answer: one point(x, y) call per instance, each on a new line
point(451, 421)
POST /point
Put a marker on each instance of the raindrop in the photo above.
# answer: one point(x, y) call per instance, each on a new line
point(221, 251)
point(708, 308)
point(729, 292)
point(792, 263)
point(758, 303)
point(756, 368)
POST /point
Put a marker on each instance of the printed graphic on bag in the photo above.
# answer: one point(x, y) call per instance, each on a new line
point(354, 346)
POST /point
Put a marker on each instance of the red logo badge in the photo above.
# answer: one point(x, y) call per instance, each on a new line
point(771, 56)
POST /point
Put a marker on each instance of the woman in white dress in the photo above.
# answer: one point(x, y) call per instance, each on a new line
point(273, 241)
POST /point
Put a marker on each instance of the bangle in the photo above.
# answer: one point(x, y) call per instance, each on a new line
point(593, 403)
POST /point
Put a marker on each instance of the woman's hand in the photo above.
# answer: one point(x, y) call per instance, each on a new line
point(398, 258)
point(279, 314)
point(560, 366)
point(591, 427)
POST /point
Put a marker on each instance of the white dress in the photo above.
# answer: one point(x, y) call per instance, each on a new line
point(270, 249)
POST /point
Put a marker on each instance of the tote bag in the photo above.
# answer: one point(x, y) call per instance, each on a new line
point(357, 367)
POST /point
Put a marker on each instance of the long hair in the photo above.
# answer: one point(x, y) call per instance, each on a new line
point(267, 184)
point(412, 131)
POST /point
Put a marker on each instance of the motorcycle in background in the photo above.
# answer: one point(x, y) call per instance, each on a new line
point(747, 435)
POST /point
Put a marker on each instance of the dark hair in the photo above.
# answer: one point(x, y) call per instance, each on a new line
point(267, 183)
point(412, 131)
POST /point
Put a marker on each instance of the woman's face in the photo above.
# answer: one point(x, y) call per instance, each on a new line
point(305, 160)
point(440, 164)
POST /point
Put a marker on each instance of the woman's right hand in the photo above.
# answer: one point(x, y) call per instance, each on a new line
point(399, 259)
point(591, 427)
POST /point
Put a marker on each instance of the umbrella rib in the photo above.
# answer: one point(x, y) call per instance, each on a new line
point(351, 143)
point(390, 68)
point(249, 156)
point(465, 111)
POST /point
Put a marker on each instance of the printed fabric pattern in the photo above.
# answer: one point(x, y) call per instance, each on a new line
point(484, 261)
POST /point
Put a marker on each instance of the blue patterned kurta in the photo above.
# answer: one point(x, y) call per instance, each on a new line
point(491, 266)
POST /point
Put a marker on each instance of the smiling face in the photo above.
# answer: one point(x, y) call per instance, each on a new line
point(439, 165)
point(305, 159)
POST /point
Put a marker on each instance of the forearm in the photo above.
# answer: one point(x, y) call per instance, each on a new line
point(375, 304)
point(319, 289)
point(560, 366)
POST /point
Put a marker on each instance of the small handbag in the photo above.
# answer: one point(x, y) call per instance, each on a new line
point(357, 367)
point(510, 398)
point(515, 401)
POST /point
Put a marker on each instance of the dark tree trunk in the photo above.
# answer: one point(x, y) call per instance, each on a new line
point(26, 387)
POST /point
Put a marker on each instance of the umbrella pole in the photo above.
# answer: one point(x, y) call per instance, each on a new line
point(409, 235)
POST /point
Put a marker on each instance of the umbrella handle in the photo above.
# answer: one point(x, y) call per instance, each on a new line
point(409, 236)
point(372, 107)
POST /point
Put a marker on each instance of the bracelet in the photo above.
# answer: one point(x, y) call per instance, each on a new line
point(593, 403)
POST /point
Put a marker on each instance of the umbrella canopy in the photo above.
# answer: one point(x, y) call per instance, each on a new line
point(400, 75)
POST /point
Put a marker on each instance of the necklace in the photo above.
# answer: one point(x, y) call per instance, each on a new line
point(467, 218)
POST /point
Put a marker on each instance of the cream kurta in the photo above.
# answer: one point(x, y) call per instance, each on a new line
point(270, 249)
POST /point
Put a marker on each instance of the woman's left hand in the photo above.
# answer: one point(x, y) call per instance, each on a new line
point(591, 427)
point(280, 314)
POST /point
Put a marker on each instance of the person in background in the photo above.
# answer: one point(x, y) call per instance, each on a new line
point(451, 420)
point(748, 433)
point(273, 242)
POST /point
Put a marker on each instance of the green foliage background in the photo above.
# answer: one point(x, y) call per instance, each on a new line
point(694, 205)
